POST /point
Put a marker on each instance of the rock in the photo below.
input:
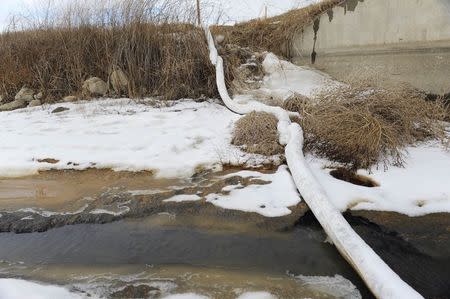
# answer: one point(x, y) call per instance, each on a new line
point(131, 291)
point(48, 160)
point(34, 103)
point(25, 94)
point(95, 87)
point(70, 99)
point(119, 81)
point(38, 96)
point(220, 39)
point(60, 109)
point(16, 104)
point(2, 98)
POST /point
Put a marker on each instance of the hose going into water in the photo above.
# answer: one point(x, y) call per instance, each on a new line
point(378, 276)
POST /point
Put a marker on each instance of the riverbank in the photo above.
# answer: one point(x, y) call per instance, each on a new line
point(154, 231)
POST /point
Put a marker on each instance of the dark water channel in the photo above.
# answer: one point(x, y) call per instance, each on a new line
point(301, 251)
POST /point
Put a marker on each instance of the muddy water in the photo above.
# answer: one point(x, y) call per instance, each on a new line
point(65, 191)
point(104, 281)
point(189, 247)
point(195, 246)
point(210, 262)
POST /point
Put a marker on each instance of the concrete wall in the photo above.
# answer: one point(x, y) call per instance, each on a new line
point(409, 40)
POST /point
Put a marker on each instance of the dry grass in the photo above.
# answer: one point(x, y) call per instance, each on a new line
point(257, 133)
point(158, 56)
point(360, 126)
point(273, 34)
point(296, 103)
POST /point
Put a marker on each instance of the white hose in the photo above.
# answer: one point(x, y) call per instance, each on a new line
point(379, 277)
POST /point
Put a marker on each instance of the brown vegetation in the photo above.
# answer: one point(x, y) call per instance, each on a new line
point(273, 34)
point(361, 126)
point(257, 133)
point(158, 58)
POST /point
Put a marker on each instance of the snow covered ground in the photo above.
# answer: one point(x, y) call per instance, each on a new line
point(421, 187)
point(270, 200)
point(20, 289)
point(118, 134)
point(283, 79)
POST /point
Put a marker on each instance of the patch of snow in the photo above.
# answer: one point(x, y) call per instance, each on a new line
point(183, 197)
point(256, 295)
point(244, 174)
point(283, 79)
point(45, 213)
point(270, 200)
point(421, 187)
point(337, 286)
point(186, 296)
point(38, 211)
point(19, 289)
point(122, 210)
point(145, 192)
point(232, 187)
point(116, 133)
point(104, 211)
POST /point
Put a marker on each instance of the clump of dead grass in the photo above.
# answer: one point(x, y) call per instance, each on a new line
point(296, 103)
point(361, 126)
point(274, 34)
point(257, 133)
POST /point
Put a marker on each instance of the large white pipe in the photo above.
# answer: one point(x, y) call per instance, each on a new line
point(378, 276)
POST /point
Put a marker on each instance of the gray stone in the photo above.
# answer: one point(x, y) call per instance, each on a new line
point(70, 99)
point(60, 109)
point(16, 104)
point(220, 39)
point(25, 94)
point(119, 81)
point(94, 87)
point(140, 291)
point(34, 103)
point(39, 96)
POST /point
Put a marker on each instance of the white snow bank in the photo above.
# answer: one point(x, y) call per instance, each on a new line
point(20, 289)
point(336, 287)
point(183, 197)
point(270, 200)
point(421, 187)
point(283, 79)
point(256, 295)
point(118, 134)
